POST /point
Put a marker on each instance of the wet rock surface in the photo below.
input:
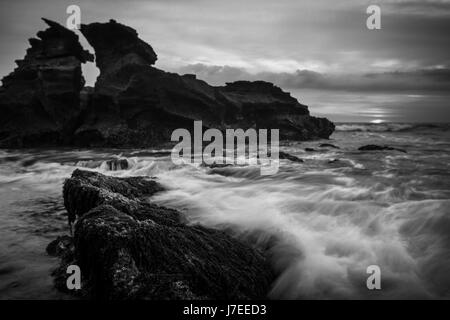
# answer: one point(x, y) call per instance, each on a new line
point(284, 155)
point(328, 145)
point(117, 164)
point(129, 248)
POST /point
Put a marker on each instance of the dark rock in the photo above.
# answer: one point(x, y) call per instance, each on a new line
point(135, 104)
point(43, 102)
point(40, 99)
point(333, 161)
point(116, 46)
point(155, 154)
point(29, 162)
point(374, 147)
point(86, 190)
point(129, 248)
point(117, 164)
point(310, 149)
point(284, 155)
point(328, 145)
point(60, 246)
point(217, 165)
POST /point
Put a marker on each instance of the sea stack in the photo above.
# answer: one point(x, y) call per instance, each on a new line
point(40, 99)
point(133, 104)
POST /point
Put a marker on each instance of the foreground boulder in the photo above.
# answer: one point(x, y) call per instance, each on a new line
point(129, 248)
point(40, 100)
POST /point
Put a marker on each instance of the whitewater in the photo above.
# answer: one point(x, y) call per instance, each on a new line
point(321, 222)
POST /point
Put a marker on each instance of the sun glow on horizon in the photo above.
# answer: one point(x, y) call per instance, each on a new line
point(377, 121)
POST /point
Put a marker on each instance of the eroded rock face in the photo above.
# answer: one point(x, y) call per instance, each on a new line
point(40, 99)
point(116, 46)
point(135, 104)
point(129, 248)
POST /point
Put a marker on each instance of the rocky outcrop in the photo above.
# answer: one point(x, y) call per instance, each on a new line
point(129, 248)
point(133, 104)
point(40, 99)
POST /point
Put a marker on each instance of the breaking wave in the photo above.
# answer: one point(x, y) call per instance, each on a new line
point(322, 222)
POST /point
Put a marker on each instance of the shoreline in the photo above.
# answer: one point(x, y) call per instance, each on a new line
point(344, 173)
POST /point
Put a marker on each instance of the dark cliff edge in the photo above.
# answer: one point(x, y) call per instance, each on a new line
point(40, 99)
point(130, 248)
point(43, 102)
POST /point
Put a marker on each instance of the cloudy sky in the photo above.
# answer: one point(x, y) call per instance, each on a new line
point(319, 50)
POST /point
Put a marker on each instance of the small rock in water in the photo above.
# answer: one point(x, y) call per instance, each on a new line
point(374, 147)
point(309, 149)
point(29, 162)
point(328, 145)
point(284, 155)
point(117, 164)
point(59, 246)
point(218, 165)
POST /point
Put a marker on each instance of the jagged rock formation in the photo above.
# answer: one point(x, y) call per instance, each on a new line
point(133, 104)
point(129, 248)
point(136, 104)
point(40, 99)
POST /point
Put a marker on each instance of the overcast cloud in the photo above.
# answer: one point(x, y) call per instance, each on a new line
point(317, 45)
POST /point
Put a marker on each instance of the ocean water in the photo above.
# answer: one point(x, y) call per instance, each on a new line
point(322, 222)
